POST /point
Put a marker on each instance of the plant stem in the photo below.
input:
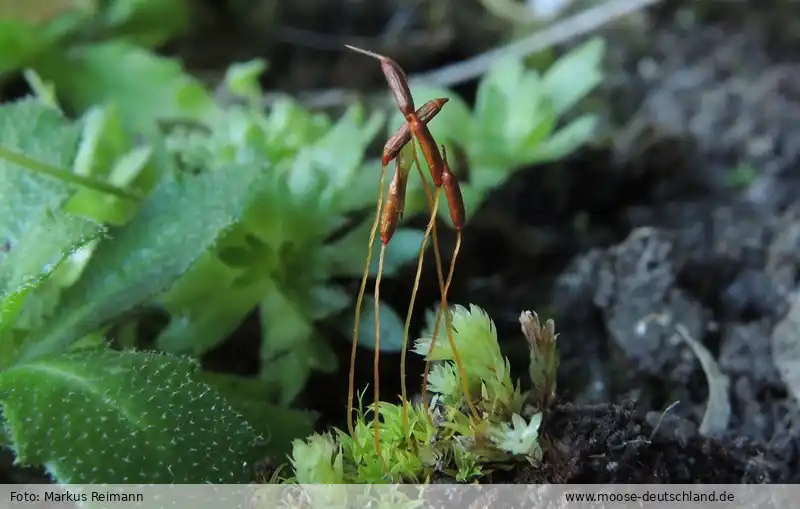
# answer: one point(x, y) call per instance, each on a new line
point(67, 176)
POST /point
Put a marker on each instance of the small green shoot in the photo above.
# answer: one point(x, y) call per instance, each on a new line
point(741, 176)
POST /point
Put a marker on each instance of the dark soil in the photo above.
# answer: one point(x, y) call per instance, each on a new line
point(614, 444)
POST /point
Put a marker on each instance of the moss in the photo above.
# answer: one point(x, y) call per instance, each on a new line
point(418, 442)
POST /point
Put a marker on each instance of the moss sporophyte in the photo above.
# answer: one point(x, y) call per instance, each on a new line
point(472, 414)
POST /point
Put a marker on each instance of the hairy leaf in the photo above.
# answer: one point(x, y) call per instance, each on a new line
point(180, 221)
point(99, 416)
point(36, 236)
point(37, 254)
point(277, 424)
point(40, 133)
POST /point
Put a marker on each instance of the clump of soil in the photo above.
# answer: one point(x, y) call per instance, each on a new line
point(608, 443)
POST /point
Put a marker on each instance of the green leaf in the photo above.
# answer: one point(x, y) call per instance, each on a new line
point(292, 127)
point(291, 348)
point(98, 416)
point(206, 314)
point(566, 140)
point(279, 425)
point(391, 327)
point(574, 75)
point(43, 91)
point(37, 236)
point(239, 256)
point(494, 102)
point(30, 126)
point(102, 141)
point(149, 23)
point(130, 165)
point(109, 209)
point(39, 251)
point(19, 43)
point(328, 300)
point(242, 79)
point(363, 191)
point(547, 121)
point(337, 156)
point(145, 87)
point(295, 213)
point(177, 224)
point(288, 374)
point(526, 113)
point(57, 173)
point(39, 132)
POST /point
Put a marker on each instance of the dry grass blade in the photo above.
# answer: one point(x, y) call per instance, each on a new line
point(718, 409)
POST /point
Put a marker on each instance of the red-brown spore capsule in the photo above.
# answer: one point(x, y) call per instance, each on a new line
point(428, 146)
point(398, 84)
point(452, 192)
point(393, 208)
point(395, 77)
